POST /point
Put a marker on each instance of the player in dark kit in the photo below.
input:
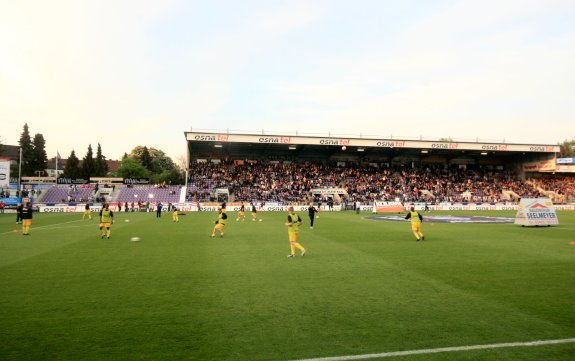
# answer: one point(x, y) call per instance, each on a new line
point(19, 209)
point(311, 212)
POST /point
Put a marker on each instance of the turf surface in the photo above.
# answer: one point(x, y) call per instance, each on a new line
point(364, 287)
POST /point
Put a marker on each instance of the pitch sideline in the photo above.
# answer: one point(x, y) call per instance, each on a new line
point(54, 226)
point(443, 349)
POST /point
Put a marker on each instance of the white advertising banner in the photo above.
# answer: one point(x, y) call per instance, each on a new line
point(536, 212)
point(367, 142)
point(565, 168)
point(465, 207)
point(4, 172)
point(565, 160)
point(275, 207)
point(387, 207)
point(268, 207)
point(65, 208)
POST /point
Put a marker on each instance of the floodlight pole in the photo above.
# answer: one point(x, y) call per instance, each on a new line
point(19, 172)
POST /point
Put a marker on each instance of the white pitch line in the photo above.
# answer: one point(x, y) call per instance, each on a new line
point(64, 227)
point(54, 226)
point(439, 350)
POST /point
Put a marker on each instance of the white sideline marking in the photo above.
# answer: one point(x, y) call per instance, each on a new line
point(444, 349)
point(54, 226)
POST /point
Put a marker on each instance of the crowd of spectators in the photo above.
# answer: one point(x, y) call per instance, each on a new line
point(561, 190)
point(291, 182)
point(6, 193)
point(271, 181)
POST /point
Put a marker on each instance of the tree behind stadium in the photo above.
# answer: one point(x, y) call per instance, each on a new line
point(72, 168)
point(27, 152)
point(39, 158)
point(567, 149)
point(101, 165)
point(132, 168)
point(161, 167)
point(33, 152)
point(88, 164)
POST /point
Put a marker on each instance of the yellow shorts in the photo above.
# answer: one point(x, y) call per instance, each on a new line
point(219, 226)
point(416, 227)
point(87, 212)
point(105, 225)
point(292, 236)
point(26, 222)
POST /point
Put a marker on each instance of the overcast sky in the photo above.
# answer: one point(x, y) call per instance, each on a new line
point(141, 72)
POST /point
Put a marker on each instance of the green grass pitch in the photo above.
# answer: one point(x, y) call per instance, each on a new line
point(363, 287)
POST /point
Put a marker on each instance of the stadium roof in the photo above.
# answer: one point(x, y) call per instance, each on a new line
point(303, 146)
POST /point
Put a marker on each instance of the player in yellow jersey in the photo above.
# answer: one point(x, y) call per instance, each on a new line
point(242, 213)
point(175, 217)
point(254, 212)
point(416, 220)
point(220, 223)
point(293, 223)
point(26, 217)
point(106, 219)
point(87, 212)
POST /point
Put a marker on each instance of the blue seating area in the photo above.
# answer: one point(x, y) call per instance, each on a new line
point(65, 194)
point(142, 193)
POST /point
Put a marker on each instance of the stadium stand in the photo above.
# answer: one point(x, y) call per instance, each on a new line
point(89, 193)
point(64, 194)
point(290, 182)
point(560, 189)
point(149, 193)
